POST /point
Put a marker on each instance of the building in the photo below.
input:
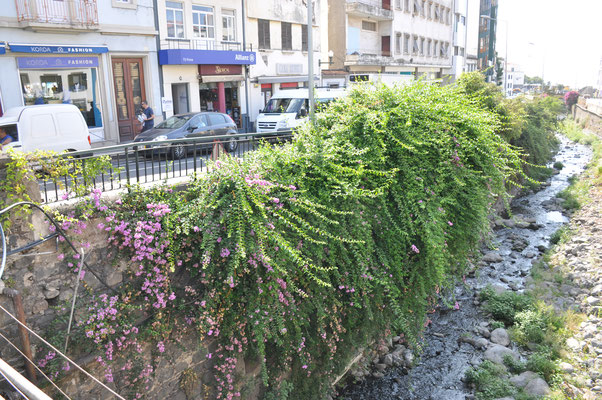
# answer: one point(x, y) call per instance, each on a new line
point(396, 41)
point(202, 57)
point(600, 80)
point(487, 37)
point(278, 30)
point(99, 56)
point(515, 80)
point(459, 58)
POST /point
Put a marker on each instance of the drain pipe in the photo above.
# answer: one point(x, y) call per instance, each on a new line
point(24, 335)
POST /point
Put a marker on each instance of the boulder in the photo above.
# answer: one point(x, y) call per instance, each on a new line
point(523, 379)
point(496, 354)
point(537, 387)
point(500, 336)
point(492, 257)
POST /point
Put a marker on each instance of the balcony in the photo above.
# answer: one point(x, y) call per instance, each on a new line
point(379, 10)
point(200, 44)
point(57, 15)
point(202, 51)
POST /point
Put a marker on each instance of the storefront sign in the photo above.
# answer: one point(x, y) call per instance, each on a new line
point(166, 104)
point(220, 69)
point(56, 62)
point(223, 57)
point(56, 49)
point(289, 69)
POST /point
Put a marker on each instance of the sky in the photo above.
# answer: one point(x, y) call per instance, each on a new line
point(560, 38)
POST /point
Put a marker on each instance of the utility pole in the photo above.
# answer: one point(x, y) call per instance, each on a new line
point(310, 59)
point(247, 67)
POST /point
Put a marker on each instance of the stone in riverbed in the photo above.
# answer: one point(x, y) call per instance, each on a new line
point(537, 387)
point(496, 354)
point(500, 336)
point(492, 257)
point(523, 379)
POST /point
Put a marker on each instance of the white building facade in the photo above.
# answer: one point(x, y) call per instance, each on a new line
point(460, 42)
point(277, 30)
point(393, 41)
point(515, 80)
point(202, 57)
point(100, 56)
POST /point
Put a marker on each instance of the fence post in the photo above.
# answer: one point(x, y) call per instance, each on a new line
point(127, 167)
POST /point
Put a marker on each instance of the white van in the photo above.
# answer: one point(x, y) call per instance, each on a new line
point(56, 127)
point(288, 109)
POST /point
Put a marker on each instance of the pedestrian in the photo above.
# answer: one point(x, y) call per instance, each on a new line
point(149, 117)
point(5, 138)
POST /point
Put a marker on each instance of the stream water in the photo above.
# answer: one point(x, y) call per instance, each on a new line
point(442, 364)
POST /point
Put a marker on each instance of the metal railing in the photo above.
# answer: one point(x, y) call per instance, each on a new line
point(79, 12)
point(147, 162)
point(202, 44)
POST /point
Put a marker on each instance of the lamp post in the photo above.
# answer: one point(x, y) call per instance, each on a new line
point(506, 56)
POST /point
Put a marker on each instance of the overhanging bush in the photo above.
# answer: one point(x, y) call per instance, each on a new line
point(298, 253)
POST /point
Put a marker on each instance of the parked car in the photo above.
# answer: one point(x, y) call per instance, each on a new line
point(56, 127)
point(192, 125)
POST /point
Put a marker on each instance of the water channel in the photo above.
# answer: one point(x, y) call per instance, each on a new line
point(442, 364)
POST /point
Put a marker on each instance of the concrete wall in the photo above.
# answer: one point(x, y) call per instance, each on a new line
point(588, 119)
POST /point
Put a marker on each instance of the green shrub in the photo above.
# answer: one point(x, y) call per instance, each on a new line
point(504, 306)
point(558, 165)
point(490, 381)
point(530, 326)
point(543, 361)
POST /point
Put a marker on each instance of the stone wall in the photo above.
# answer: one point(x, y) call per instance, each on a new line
point(589, 119)
point(46, 281)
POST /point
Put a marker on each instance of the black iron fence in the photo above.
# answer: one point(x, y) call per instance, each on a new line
point(76, 174)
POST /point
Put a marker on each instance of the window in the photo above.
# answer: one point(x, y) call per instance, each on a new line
point(429, 8)
point(228, 26)
point(406, 44)
point(303, 37)
point(436, 12)
point(124, 3)
point(203, 25)
point(398, 43)
point(443, 49)
point(369, 26)
point(406, 5)
point(175, 19)
point(423, 9)
point(216, 119)
point(436, 44)
point(415, 48)
point(429, 44)
point(421, 41)
point(263, 27)
point(287, 39)
point(416, 9)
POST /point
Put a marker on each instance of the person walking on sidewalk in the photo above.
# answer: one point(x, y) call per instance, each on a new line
point(149, 117)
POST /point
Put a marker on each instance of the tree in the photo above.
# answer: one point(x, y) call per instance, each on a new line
point(499, 71)
point(570, 99)
point(533, 80)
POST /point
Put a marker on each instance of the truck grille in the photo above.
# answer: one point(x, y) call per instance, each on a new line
point(266, 125)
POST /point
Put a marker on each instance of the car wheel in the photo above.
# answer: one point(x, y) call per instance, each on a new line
point(231, 145)
point(178, 152)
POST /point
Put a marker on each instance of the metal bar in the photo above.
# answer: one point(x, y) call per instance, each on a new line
point(33, 244)
point(15, 378)
point(145, 169)
point(23, 334)
point(127, 166)
point(194, 157)
point(79, 274)
point(137, 165)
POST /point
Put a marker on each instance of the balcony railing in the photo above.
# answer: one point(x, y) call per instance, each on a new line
point(375, 9)
point(201, 44)
point(66, 12)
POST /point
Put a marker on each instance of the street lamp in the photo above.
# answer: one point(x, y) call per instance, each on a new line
point(506, 56)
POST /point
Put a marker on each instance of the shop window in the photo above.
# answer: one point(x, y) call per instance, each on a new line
point(287, 39)
point(304, 37)
point(78, 82)
point(263, 27)
point(203, 25)
point(175, 19)
point(228, 26)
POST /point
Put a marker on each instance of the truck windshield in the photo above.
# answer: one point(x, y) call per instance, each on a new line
point(284, 106)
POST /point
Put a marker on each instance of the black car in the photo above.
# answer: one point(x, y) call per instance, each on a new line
point(192, 125)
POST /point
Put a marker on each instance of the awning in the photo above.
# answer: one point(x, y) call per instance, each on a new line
point(285, 79)
point(222, 78)
point(57, 48)
point(2, 48)
point(191, 56)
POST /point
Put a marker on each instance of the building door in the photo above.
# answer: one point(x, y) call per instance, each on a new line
point(128, 76)
point(386, 46)
point(179, 93)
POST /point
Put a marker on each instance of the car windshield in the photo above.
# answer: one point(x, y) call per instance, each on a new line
point(283, 106)
point(174, 122)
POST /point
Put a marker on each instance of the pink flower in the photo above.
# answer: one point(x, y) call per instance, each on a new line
point(60, 256)
point(415, 249)
point(225, 252)
point(450, 223)
point(456, 306)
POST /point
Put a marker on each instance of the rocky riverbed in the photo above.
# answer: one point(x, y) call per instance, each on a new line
point(460, 337)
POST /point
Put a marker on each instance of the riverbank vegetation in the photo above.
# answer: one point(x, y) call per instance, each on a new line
point(299, 254)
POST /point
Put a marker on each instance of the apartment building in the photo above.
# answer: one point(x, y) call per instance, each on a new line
point(399, 40)
point(100, 56)
point(487, 37)
point(202, 57)
point(278, 31)
point(460, 41)
point(515, 80)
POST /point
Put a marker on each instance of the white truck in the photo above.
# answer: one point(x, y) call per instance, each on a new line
point(56, 127)
point(288, 109)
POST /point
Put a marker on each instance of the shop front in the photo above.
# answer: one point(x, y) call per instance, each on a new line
point(217, 80)
point(62, 74)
